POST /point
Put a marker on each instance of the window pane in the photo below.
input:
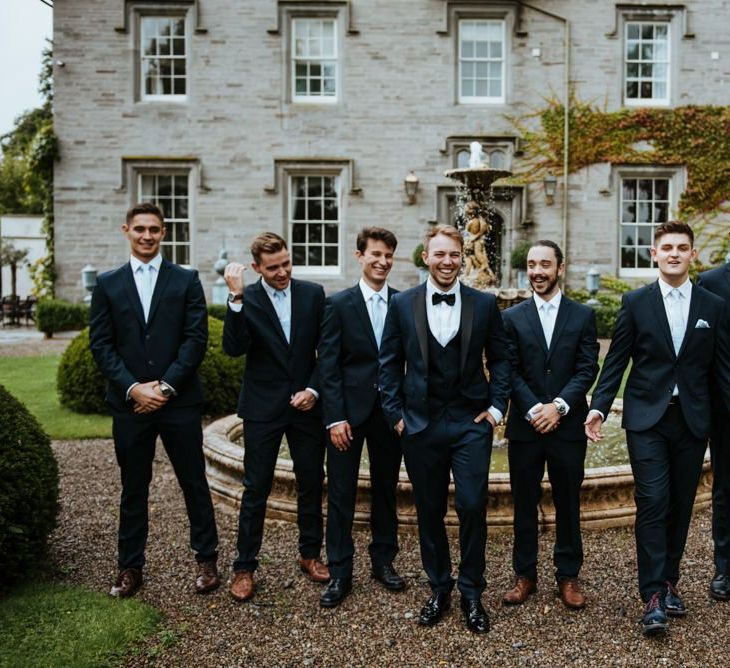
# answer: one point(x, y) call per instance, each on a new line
point(299, 255)
point(329, 186)
point(647, 31)
point(482, 88)
point(299, 212)
point(645, 189)
point(644, 212)
point(495, 49)
point(661, 189)
point(632, 89)
point(314, 256)
point(179, 86)
point(660, 90)
point(660, 31)
point(314, 209)
point(633, 31)
point(331, 233)
point(462, 159)
point(497, 160)
point(482, 50)
point(330, 209)
point(632, 51)
point(314, 234)
point(628, 212)
point(661, 212)
point(644, 237)
point(628, 235)
point(467, 49)
point(628, 258)
point(298, 233)
point(647, 51)
point(495, 70)
point(643, 258)
point(330, 256)
point(646, 90)
point(647, 70)
point(629, 189)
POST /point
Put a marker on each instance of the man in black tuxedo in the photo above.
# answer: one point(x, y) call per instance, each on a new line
point(676, 334)
point(348, 368)
point(556, 361)
point(276, 323)
point(148, 328)
point(718, 281)
point(436, 395)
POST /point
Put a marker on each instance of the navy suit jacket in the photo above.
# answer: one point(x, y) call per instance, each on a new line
point(170, 346)
point(566, 370)
point(275, 369)
point(404, 356)
point(642, 335)
point(348, 358)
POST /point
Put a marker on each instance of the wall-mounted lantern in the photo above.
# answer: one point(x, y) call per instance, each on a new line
point(593, 283)
point(88, 281)
point(550, 184)
point(410, 185)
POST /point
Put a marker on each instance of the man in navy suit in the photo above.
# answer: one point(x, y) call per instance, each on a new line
point(148, 328)
point(436, 395)
point(276, 323)
point(556, 362)
point(348, 368)
point(676, 335)
point(718, 281)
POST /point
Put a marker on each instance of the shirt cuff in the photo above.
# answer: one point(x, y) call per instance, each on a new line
point(563, 403)
point(495, 413)
point(334, 424)
point(314, 392)
point(174, 391)
point(129, 391)
point(595, 411)
point(529, 416)
point(236, 308)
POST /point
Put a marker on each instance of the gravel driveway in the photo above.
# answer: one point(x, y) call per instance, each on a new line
point(284, 626)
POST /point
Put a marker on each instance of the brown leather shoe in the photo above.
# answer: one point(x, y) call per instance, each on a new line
point(128, 582)
point(571, 594)
point(207, 578)
point(315, 569)
point(519, 593)
point(242, 585)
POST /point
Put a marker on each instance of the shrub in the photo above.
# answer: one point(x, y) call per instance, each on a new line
point(518, 258)
point(81, 387)
point(606, 312)
point(417, 257)
point(28, 490)
point(217, 311)
point(56, 315)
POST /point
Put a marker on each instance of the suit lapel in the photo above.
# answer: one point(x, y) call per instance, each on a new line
point(694, 309)
point(265, 303)
point(560, 320)
point(660, 314)
point(534, 319)
point(467, 322)
point(162, 278)
point(421, 321)
point(131, 289)
point(358, 305)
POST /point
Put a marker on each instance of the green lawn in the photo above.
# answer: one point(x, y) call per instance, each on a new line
point(33, 381)
point(55, 625)
point(620, 393)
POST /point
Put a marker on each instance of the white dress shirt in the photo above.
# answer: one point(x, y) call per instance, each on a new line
point(547, 310)
point(444, 322)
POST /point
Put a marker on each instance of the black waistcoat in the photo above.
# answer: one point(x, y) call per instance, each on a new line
point(444, 378)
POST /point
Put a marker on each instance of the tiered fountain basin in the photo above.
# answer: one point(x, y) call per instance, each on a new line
point(606, 495)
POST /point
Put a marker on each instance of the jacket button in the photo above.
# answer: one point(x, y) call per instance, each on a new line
point(147, 337)
point(151, 363)
point(375, 386)
point(549, 371)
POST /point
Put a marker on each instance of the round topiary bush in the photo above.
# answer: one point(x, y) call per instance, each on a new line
point(81, 387)
point(28, 490)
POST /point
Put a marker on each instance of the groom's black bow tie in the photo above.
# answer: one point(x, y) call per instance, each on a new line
point(438, 297)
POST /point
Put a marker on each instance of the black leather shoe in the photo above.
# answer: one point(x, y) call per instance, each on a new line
point(476, 617)
point(335, 592)
point(720, 587)
point(388, 577)
point(655, 620)
point(673, 604)
point(434, 610)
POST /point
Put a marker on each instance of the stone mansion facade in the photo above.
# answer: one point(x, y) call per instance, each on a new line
point(305, 117)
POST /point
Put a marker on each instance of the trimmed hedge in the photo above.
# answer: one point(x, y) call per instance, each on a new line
point(56, 315)
point(606, 313)
point(28, 491)
point(81, 387)
point(217, 311)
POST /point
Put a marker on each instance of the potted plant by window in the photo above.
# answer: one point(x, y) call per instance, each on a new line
point(518, 261)
point(420, 264)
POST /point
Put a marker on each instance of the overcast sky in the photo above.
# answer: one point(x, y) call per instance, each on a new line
point(24, 27)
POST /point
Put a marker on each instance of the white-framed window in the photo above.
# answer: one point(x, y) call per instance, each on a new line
point(170, 192)
point(645, 204)
point(314, 65)
point(481, 44)
point(315, 228)
point(646, 63)
point(163, 57)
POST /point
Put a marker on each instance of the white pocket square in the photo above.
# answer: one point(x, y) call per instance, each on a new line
point(702, 324)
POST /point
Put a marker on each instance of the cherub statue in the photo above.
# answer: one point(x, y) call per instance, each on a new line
point(476, 261)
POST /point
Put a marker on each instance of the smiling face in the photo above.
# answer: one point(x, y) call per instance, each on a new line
point(376, 262)
point(145, 233)
point(543, 271)
point(443, 259)
point(673, 253)
point(275, 268)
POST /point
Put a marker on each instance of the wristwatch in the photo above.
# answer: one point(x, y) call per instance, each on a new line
point(166, 390)
point(561, 408)
point(233, 297)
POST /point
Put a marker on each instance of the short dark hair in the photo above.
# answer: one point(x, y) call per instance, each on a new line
point(551, 244)
point(376, 234)
point(145, 207)
point(446, 230)
point(266, 242)
point(674, 227)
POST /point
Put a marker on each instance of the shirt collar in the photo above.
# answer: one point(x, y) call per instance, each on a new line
point(555, 301)
point(272, 291)
point(368, 292)
point(155, 262)
point(685, 288)
point(431, 288)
